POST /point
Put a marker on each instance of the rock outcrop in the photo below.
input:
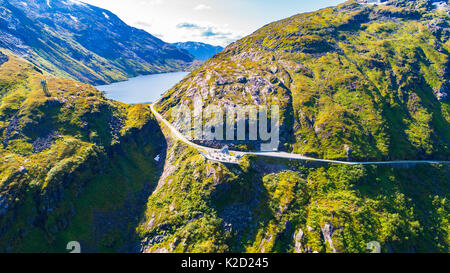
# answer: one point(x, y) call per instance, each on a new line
point(328, 232)
point(442, 94)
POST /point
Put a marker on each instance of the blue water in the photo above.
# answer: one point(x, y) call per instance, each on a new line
point(142, 89)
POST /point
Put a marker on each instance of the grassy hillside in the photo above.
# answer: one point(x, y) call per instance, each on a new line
point(75, 166)
point(285, 207)
point(353, 81)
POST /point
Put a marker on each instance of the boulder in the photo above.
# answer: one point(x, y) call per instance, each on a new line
point(348, 151)
point(298, 239)
point(327, 232)
point(242, 79)
point(22, 169)
point(222, 81)
point(442, 93)
point(273, 70)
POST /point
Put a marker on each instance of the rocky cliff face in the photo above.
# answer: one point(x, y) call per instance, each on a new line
point(80, 41)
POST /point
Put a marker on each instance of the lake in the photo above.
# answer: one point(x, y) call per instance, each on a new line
point(142, 89)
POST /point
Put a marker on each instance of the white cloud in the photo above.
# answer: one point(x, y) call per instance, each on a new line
point(214, 22)
point(151, 2)
point(176, 20)
point(202, 7)
point(207, 32)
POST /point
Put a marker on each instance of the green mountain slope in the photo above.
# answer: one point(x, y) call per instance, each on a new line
point(278, 206)
point(79, 41)
point(353, 81)
point(75, 166)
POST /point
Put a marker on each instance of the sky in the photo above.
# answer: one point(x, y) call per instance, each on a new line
point(216, 22)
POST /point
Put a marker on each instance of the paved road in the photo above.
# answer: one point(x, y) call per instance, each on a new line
point(206, 151)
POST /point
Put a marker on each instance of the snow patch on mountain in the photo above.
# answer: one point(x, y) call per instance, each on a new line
point(73, 2)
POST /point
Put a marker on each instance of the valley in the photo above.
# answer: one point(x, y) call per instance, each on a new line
point(363, 150)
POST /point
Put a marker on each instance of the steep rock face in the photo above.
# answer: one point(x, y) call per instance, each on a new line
point(75, 166)
point(201, 51)
point(365, 78)
point(77, 40)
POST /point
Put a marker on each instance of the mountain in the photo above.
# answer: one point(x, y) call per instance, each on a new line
point(199, 50)
point(79, 41)
point(353, 81)
point(73, 164)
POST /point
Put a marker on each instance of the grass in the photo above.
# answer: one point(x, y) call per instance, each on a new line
point(100, 162)
point(352, 77)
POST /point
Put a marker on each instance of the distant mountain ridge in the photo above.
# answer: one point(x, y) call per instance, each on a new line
point(83, 42)
point(200, 51)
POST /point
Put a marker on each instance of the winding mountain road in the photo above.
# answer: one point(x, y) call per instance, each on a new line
point(283, 155)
